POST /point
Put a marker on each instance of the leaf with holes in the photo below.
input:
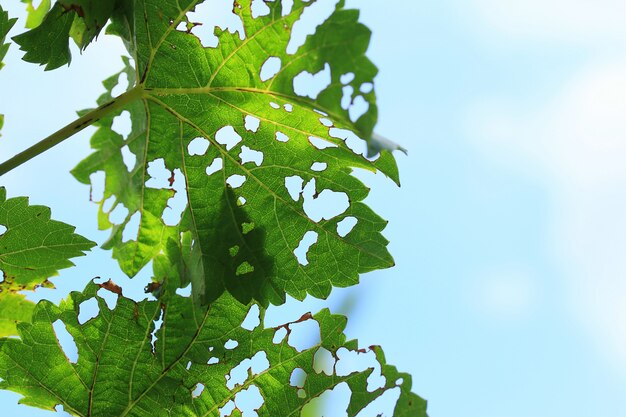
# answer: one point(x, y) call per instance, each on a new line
point(121, 371)
point(257, 170)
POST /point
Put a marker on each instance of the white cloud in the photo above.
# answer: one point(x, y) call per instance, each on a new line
point(583, 21)
point(576, 145)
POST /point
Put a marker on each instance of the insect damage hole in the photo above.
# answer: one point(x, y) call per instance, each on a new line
point(259, 8)
point(270, 68)
point(313, 16)
point(157, 326)
point(212, 14)
point(252, 319)
point(358, 108)
point(197, 391)
point(109, 298)
point(346, 225)
point(308, 240)
point(249, 400)
point(332, 402)
point(177, 204)
point(66, 341)
point(319, 166)
point(346, 98)
point(159, 174)
point(3, 229)
point(119, 214)
point(251, 123)
point(97, 186)
point(122, 124)
point(297, 378)
point(310, 85)
point(185, 291)
point(324, 205)
point(323, 361)
point(198, 146)
point(346, 78)
point(129, 158)
point(352, 141)
point(131, 230)
point(228, 137)
point(320, 143)
point(281, 137)
point(251, 155)
point(216, 165)
point(88, 310)
point(235, 180)
point(121, 86)
point(294, 186)
point(240, 373)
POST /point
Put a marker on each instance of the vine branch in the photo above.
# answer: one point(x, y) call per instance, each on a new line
point(70, 129)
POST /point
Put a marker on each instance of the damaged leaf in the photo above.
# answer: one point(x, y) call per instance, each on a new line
point(247, 222)
point(121, 372)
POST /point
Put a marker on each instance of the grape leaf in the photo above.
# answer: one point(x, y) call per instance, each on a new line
point(245, 235)
point(121, 372)
point(35, 15)
point(34, 247)
point(47, 43)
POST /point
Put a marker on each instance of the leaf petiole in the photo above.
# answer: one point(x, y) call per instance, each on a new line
point(71, 129)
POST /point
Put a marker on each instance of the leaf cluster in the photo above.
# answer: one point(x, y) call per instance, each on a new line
point(258, 165)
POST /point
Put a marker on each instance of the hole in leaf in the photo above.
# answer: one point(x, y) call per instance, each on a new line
point(235, 180)
point(319, 166)
point(326, 121)
point(215, 166)
point(228, 408)
point(184, 292)
point(252, 319)
point(320, 143)
point(355, 143)
point(308, 240)
point(198, 146)
point(87, 310)
point(119, 214)
point(241, 201)
point(298, 378)
point(177, 204)
point(288, 107)
point(122, 124)
point(346, 225)
point(346, 99)
point(251, 155)
point(323, 361)
point(131, 229)
point(383, 405)
point(159, 174)
point(324, 205)
point(281, 137)
point(3, 229)
point(197, 391)
point(228, 137)
point(215, 14)
point(239, 374)
point(310, 85)
point(279, 335)
point(274, 105)
point(157, 326)
point(358, 108)
point(213, 361)
point(287, 5)
point(346, 78)
point(249, 400)
point(301, 393)
point(251, 123)
point(121, 86)
point(270, 68)
point(97, 186)
point(259, 8)
point(128, 158)
point(66, 341)
point(231, 344)
point(366, 88)
point(107, 205)
point(294, 185)
point(109, 298)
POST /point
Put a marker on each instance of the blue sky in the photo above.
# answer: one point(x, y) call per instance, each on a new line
point(508, 230)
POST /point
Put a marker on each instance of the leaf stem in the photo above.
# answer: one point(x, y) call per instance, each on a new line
point(71, 129)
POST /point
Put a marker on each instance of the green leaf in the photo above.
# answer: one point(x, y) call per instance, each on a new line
point(36, 15)
point(245, 235)
point(121, 372)
point(5, 25)
point(47, 43)
point(14, 308)
point(34, 247)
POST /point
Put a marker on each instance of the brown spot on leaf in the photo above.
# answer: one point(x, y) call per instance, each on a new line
point(111, 286)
